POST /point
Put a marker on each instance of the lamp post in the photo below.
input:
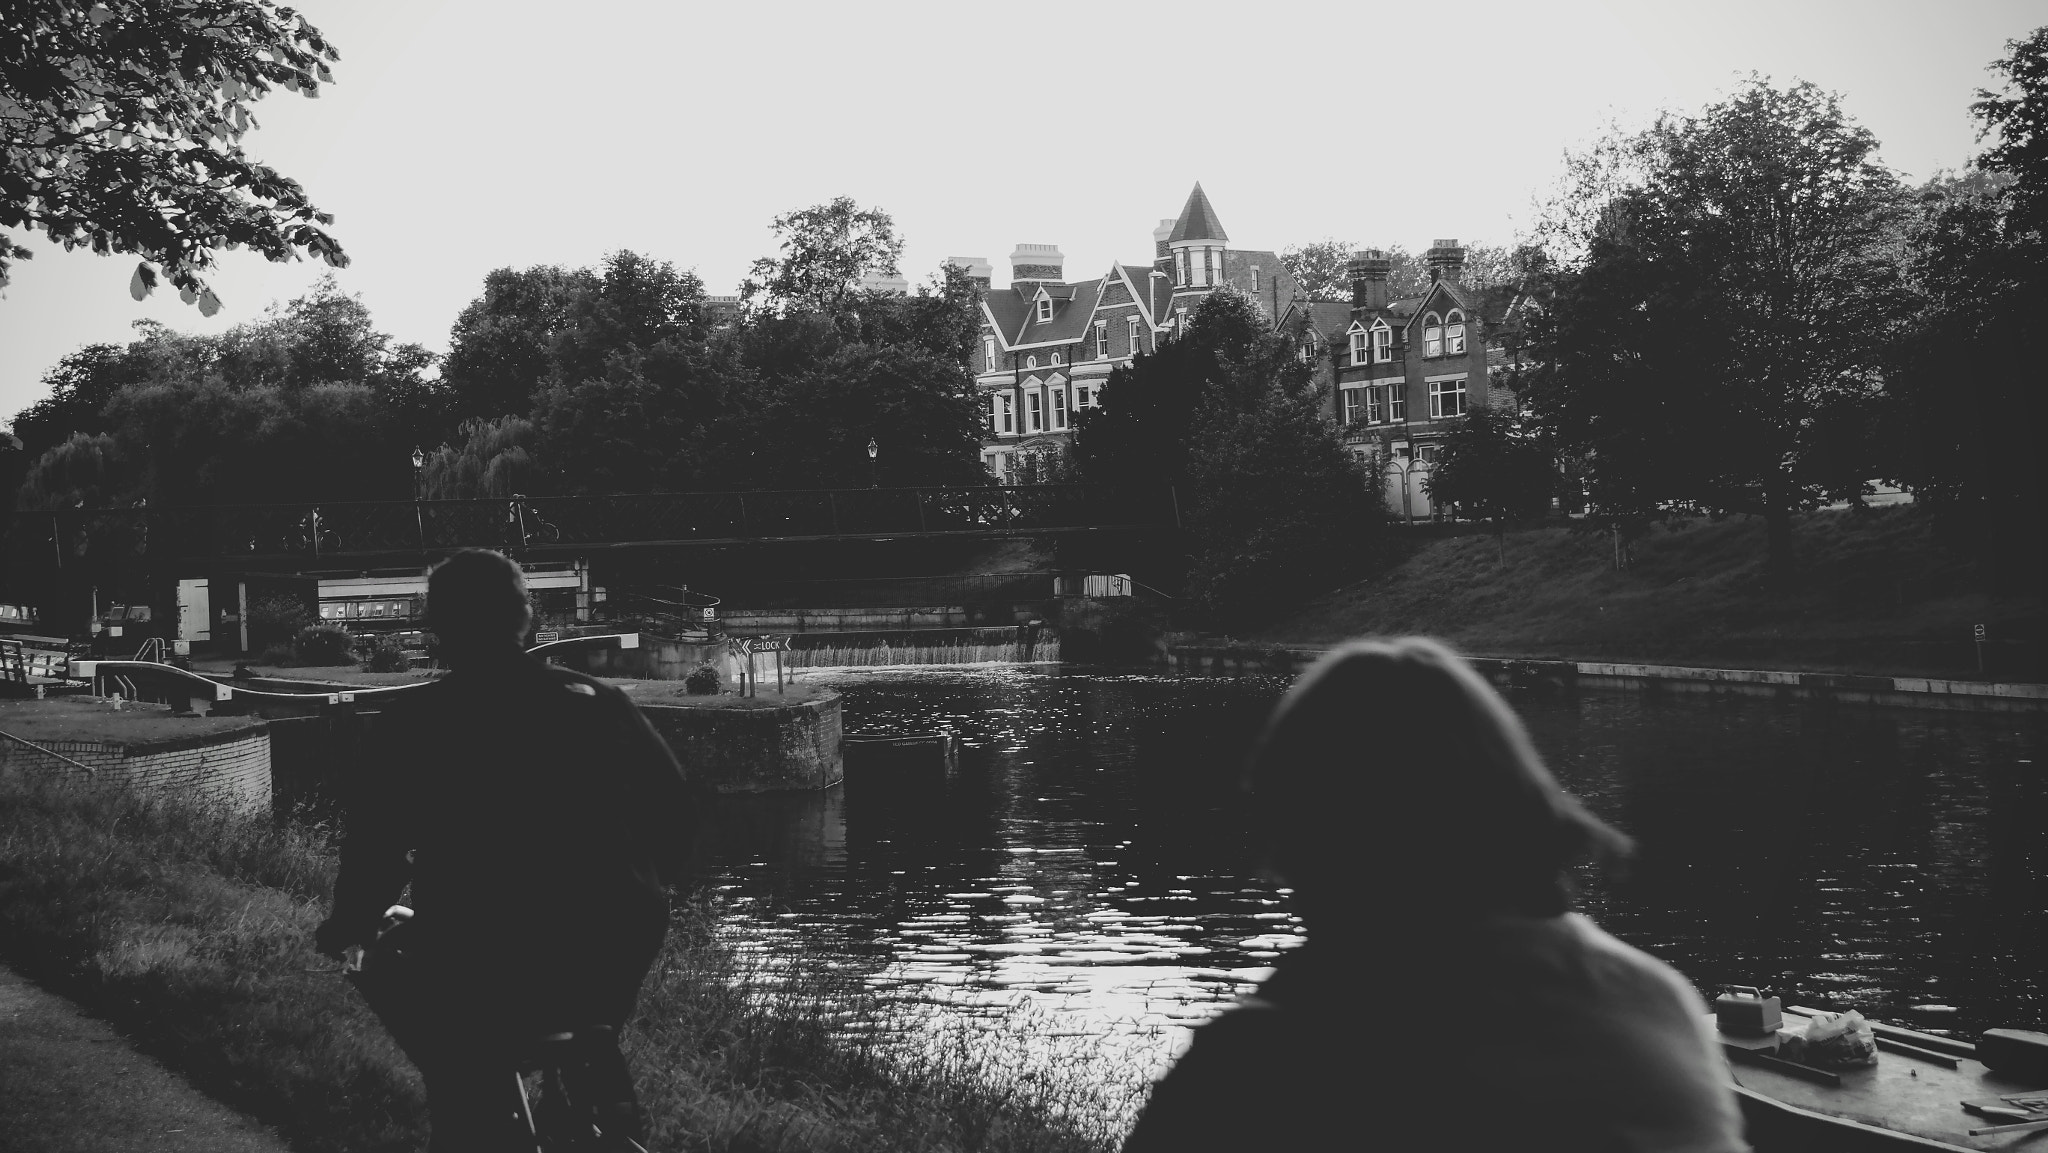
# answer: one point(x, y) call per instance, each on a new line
point(419, 521)
point(873, 450)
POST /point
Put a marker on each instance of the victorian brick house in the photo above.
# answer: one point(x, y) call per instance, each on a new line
point(1402, 373)
point(1047, 344)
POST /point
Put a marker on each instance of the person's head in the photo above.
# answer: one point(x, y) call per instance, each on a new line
point(476, 604)
point(1392, 774)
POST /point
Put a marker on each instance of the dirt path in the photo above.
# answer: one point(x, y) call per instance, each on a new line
point(69, 1082)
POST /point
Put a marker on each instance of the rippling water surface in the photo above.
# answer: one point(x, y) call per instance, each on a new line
point(1087, 860)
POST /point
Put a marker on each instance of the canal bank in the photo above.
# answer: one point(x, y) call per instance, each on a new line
point(1230, 659)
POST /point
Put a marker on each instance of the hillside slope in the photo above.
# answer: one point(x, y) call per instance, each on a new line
point(1875, 593)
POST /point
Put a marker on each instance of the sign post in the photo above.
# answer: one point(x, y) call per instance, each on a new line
point(1980, 648)
point(778, 646)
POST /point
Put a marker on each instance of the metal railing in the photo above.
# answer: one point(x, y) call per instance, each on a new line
point(571, 523)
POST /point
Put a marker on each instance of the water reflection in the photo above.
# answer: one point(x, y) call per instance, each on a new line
point(1088, 857)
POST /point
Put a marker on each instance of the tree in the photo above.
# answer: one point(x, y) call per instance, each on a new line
point(491, 458)
point(826, 250)
point(500, 349)
point(1491, 465)
point(121, 124)
point(1320, 267)
point(1732, 304)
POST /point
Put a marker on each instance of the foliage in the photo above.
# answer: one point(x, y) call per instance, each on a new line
point(2017, 124)
point(122, 123)
point(323, 645)
point(501, 347)
point(311, 402)
point(1322, 268)
point(825, 251)
point(1728, 321)
point(492, 458)
point(387, 657)
point(703, 681)
point(1492, 465)
point(1319, 267)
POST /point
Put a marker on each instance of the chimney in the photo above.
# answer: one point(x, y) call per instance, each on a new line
point(978, 269)
point(1369, 269)
point(1161, 256)
point(1034, 264)
point(1446, 261)
point(886, 283)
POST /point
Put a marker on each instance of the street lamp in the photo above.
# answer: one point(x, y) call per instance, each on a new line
point(873, 449)
point(419, 461)
point(419, 521)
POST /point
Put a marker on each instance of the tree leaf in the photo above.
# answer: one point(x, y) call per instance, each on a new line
point(138, 286)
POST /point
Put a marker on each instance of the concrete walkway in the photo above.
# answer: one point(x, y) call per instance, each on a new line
point(69, 1082)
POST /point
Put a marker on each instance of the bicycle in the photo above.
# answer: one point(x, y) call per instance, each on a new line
point(571, 1109)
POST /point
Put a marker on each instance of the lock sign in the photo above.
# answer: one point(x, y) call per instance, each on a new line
point(1980, 632)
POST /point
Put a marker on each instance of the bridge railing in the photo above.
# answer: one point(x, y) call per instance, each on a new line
point(312, 531)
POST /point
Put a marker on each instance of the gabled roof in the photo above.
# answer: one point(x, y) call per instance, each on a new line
point(1327, 318)
point(1197, 220)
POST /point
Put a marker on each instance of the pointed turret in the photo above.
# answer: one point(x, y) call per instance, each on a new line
point(1196, 244)
point(1198, 221)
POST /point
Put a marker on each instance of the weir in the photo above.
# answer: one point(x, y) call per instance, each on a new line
point(1016, 644)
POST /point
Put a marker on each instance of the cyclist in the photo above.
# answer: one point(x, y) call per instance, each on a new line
point(537, 817)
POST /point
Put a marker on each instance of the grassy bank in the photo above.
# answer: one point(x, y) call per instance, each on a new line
point(189, 929)
point(1875, 592)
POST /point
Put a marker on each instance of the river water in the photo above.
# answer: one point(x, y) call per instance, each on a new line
point(1087, 860)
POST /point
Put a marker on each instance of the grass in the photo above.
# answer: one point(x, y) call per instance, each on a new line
point(1875, 592)
point(189, 929)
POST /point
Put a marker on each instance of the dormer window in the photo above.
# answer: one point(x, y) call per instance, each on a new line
point(1454, 334)
point(1382, 344)
point(1432, 336)
point(1359, 355)
point(1309, 346)
point(1044, 309)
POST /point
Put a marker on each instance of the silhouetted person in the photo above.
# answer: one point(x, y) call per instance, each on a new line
point(1446, 998)
point(537, 817)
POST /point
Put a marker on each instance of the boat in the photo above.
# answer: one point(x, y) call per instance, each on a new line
point(1912, 1097)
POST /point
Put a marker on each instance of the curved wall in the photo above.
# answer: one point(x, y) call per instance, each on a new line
point(232, 767)
point(773, 749)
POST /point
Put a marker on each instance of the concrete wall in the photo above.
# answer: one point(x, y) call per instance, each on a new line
point(657, 659)
point(787, 748)
point(231, 767)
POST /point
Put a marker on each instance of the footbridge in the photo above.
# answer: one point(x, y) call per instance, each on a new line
point(366, 533)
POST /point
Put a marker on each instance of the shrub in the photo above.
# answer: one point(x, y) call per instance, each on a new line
point(703, 682)
point(323, 645)
point(387, 657)
point(276, 618)
point(276, 655)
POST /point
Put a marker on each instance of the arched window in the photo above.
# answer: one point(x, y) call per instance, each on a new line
point(1432, 336)
point(1454, 334)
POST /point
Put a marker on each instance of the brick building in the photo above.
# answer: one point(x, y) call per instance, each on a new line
point(1402, 373)
point(1047, 344)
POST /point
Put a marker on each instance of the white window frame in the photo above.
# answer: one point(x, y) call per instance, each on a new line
point(1002, 411)
point(1055, 360)
point(1432, 337)
point(1358, 349)
point(1440, 389)
point(1086, 396)
point(1354, 405)
point(1102, 340)
point(1397, 401)
point(1136, 345)
point(1044, 309)
point(1382, 344)
point(1375, 405)
point(1180, 322)
point(988, 354)
point(1031, 362)
point(1059, 409)
point(1454, 334)
point(1034, 410)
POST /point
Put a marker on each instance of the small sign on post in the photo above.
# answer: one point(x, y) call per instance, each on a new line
point(778, 646)
point(1980, 648)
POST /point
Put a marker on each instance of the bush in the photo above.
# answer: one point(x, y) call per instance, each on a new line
point(704, 682)
point(323, 645)
point(276, 618)
point(276, 655)
point(387, 657)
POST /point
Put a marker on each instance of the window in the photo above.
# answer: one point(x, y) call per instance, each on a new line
point(1002, 416)
point(1055, 358)
point(1375, 405)
point(1135, 346)
point(1059, 409)
point(1309, 348)
point(1446, 398)
point(1180, 321)
point(1034, 411)
point(1383, 345)
point(1208, 266)
point(1180, 266)
point(988, 354)
point(1397, 401)
point(1354, 405)
point(1044, 309)
point(1432, 336)
point(1085, 396)
point(1454, 334)
point(1030, 362)
point(1358, 354)
point(1427, 453)
point(1255, 279)
point(1102, 340)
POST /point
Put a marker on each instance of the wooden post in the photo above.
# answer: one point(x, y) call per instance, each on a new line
point(778, 671)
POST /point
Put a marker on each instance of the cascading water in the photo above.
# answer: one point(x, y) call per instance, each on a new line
point(1014, 645)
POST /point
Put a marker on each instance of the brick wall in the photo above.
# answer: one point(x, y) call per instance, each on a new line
point(231, 767)
point(794, 748)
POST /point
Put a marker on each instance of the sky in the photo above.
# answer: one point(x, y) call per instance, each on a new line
point(468, 135)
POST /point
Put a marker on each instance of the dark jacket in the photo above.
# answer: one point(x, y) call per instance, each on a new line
point(536, 815)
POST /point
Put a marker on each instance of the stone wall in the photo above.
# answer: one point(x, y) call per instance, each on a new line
point(786, 748)
point(231, 767)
